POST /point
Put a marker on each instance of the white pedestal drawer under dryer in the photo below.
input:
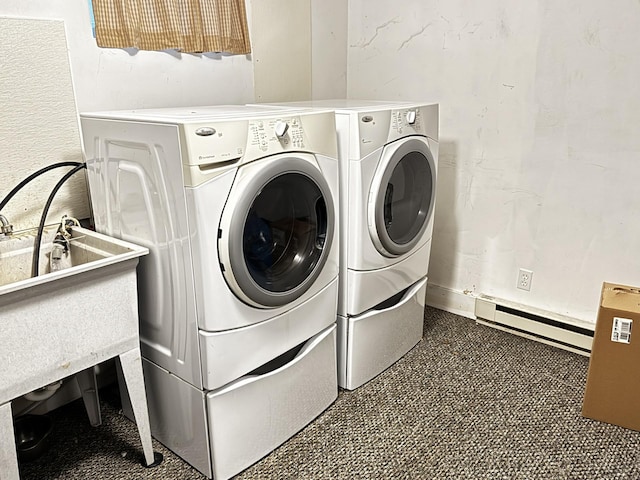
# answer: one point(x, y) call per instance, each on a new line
point(238, 208)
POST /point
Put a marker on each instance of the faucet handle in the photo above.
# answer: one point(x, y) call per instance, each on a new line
point(5, 227)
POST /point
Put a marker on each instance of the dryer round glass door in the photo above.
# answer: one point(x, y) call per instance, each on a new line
point(279, 234)
point(402, 196)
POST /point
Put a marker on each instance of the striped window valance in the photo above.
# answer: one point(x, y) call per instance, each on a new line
point(184, 25)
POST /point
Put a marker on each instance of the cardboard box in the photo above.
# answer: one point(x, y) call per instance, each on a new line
point(612, 394)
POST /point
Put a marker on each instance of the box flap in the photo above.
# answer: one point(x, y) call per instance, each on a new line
point(620, 297)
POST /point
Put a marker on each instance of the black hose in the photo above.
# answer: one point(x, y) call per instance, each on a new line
point(43, 218)
point(18, 187)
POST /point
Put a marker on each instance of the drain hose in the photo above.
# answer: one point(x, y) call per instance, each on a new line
point(43, 218)
point(18, 187)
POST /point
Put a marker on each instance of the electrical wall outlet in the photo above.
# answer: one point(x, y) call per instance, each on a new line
point(524, 279)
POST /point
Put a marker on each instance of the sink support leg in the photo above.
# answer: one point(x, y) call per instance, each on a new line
point(8, 455)
point(89, 387)
point(131, 363)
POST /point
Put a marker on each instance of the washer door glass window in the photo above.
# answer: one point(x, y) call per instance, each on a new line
point(285, 231)
point(404, 198)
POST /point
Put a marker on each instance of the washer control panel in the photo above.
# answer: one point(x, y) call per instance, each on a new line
point(218, 142)
point(276, 134)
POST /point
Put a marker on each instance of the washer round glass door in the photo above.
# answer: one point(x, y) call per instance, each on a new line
point(279, 234)
point(402, 197)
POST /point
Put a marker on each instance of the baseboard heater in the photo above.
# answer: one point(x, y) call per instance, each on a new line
point(565, 333)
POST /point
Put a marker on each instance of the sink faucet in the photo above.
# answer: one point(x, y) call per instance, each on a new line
point(6, 228)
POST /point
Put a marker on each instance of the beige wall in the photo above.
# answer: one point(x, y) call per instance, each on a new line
point(299, 49)
point(329, 49)
point(539, 154)
point(281, 36)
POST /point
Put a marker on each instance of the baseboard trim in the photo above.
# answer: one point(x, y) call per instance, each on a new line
point(452, 301)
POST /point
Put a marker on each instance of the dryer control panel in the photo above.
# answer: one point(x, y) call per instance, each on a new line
point(377, 128)
point(407, 122)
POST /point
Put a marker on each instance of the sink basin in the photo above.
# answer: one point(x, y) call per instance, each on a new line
point(65, 321)
point(89, 250)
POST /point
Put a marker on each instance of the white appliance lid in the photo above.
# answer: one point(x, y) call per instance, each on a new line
point(198, 113)
point(354, 105)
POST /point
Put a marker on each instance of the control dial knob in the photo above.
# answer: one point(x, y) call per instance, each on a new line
point(411, 117)
point(281, 129)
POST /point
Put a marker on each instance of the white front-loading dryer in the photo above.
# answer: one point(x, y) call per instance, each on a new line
point(388, 154)
point(238, 207)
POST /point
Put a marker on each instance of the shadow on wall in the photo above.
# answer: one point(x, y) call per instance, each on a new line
point(445, 228)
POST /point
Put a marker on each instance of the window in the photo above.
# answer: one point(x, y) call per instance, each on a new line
point(189, 26)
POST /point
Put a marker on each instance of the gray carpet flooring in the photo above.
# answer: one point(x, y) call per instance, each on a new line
point(468, 402)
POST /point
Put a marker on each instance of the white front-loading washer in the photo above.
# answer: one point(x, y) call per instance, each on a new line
point(238, 297)
point(388, 154)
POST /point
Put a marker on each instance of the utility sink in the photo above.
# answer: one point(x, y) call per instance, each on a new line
point(67, 321)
